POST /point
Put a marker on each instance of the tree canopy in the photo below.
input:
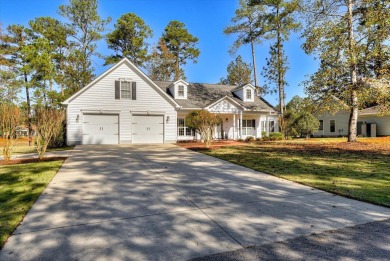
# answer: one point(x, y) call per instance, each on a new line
point(128, 39)
point(239, 72)
point(181, 44)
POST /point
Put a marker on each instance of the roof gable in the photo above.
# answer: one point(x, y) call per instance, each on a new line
point(135, 70)
point(225, 104)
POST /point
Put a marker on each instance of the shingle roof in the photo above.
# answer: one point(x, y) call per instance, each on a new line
point(369, 111)
point(201, 95)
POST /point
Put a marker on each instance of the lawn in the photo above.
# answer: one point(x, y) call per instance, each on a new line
point(21, 147)
point(20, 187)
point(357, 170)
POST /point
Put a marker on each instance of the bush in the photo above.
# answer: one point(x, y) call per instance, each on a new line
point(240, 140)
point(263, 134)
point(276, 136)
point(289, 138)
point(258, 139)
point(265, 138)
point(250, 139)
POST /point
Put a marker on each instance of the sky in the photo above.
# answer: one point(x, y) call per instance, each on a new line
point(205, 19)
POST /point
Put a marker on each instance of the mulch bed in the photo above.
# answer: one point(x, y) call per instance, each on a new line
point(30, 160)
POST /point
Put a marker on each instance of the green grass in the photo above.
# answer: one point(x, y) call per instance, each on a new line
point(20, 187)
point(25, 149)
point(362, 175)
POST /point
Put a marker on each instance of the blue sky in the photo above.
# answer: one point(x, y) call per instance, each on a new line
point(205, 19)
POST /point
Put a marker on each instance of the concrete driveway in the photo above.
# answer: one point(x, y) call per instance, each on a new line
point(150, 202)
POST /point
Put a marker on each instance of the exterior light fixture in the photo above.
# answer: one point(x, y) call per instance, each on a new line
point(77, 118)
point(227, 119)
point(167, 119)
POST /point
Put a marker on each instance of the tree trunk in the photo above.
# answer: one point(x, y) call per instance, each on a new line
point(280, 65)
point(254, 67)
point(29, 120)
point(352, 124)
point(177, 68)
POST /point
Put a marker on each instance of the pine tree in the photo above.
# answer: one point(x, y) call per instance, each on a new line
point(276, 24)
point(87, 28)
point(349, 38)
point(181, 44)
point(239, 72)
point(244, 25)
point(128, 40)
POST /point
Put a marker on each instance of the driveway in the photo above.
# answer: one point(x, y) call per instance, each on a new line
point(162, 202)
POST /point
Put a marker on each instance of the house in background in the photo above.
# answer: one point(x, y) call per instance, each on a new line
point(370, 123)
point(124, 106)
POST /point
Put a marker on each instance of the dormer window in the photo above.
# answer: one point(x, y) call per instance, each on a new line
point(248, 94)
point(180, 91)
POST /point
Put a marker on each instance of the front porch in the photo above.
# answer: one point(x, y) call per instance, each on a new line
point(233, 127)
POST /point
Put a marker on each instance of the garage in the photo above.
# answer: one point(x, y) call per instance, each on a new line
point(100, 129)
point(148, 129)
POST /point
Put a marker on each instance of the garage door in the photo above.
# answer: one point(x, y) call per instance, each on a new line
point(148, 129)
point(100, 129)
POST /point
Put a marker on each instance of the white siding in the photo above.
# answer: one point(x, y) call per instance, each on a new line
point(382, 123)
point(174, 89)
point(341, 119)
point(101, 96)
point(241, 93)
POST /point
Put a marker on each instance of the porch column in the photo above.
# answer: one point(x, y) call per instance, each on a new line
point(267, 125)
point(234, 126)
point(240, 125)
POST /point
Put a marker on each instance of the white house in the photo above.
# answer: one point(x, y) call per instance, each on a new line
point(124, 106)
point(370, 123)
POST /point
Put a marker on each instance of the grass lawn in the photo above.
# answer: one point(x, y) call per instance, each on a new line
point(20, 187)
point(21, 147)
point(357, 170)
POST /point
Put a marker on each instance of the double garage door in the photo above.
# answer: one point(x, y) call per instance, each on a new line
point(104, 129)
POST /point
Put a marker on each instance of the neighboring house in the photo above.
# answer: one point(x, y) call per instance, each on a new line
point(124, 106)
point(370, 123)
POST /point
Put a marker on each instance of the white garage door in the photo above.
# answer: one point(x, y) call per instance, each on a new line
point(148, 129)
point(100, 129)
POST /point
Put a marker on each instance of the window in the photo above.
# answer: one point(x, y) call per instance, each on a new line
point(332, 126)
point(263, 128)
point(271, 126)
point(247, 127)
point(321, 125)
point(183, 130)
point(180, 91)
point(125, 90)
point(249, 94)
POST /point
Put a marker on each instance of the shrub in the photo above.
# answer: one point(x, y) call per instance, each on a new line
point(263, 134)
point(240, 140)
point(258, 139)
point(265, 138)
point(276, 136)
point(250, 139)
point(204, 123)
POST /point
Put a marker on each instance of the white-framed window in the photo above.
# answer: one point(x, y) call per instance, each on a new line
point(263, 126)
point(271, 126)
point(125, 90)
point(182, 129)
point(332, 125)
point(180, 91)
point(321, 125)
point(248, 127)
point(248, 94)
